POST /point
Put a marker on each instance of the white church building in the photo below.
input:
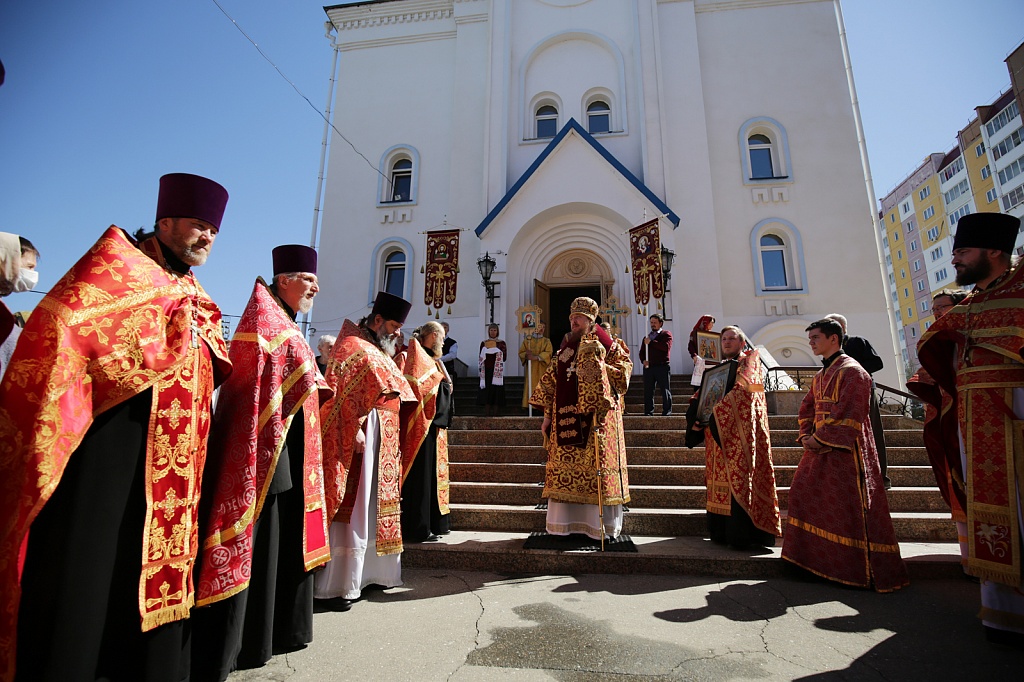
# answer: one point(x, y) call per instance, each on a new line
point(546, 129)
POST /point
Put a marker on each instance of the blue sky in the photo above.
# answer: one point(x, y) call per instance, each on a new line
point(102, 98)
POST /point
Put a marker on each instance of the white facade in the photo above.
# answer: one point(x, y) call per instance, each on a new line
point(456, 87)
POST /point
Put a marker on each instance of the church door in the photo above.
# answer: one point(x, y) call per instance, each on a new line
point(561, 299)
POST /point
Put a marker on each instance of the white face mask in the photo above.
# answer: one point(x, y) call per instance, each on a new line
point(27, 280)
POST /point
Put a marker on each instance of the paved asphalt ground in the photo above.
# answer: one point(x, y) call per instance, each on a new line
point(463, 626)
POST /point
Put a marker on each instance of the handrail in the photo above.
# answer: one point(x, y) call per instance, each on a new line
point(795, 378)
point(901, 403)
point(890, 400)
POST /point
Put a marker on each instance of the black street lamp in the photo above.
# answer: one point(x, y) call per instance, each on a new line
point(486, 267)
point(667, 258)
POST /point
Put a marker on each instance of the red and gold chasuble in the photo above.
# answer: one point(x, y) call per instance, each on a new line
point(424, 377)
point(580, 394)
point(742, 467)
point(974, 354)
point(363, 378)
point(118, 323)
point(942, 442)
point(275, 376)
point(839, 524)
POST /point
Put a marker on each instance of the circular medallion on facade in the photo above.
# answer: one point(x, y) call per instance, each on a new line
point(576, 267)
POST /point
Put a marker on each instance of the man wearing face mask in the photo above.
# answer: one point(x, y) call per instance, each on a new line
point(18, 258)
point(104, 416)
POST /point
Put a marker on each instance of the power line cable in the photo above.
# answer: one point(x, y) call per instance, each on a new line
point(296, 89)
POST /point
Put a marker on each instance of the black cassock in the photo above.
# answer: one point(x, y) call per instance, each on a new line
point(421, 515)
point(274, 614)
point(79, 613)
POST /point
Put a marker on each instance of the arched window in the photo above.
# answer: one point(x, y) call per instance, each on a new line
point(391, 264)
point(764, 152)
point(401, 180)
point(394, 274)
point(547, 121)
point(760, 150)
point(773, 262)
point(399, 175)
point(777, 254)
point(599, 117)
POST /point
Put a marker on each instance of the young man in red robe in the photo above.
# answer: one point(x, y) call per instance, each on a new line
point(104, 414)
point(839, 525)
point(267, 527)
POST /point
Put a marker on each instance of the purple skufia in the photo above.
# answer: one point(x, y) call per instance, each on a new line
point(183, 195)
point(294, 258)
point(391, 307)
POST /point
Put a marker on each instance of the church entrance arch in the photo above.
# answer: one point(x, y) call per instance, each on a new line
point(574, 272)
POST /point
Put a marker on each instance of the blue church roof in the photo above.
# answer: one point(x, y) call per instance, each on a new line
point(555, 141)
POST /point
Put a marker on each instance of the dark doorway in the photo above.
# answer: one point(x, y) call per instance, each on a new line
point(561, 299)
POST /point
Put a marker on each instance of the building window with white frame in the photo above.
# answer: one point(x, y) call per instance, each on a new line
point(401, 180)
point(923, 194)
point(929, 212)
point(986, 172)
point(991, 195)
point(773, 262)
point(979, 149)
point(764, 150)
point(940, 275)
point(760, 150)
point(547, 121)
point(394, 274)
point(599, 117)
point(399, 168)
point(777, 254)
point(933, 233)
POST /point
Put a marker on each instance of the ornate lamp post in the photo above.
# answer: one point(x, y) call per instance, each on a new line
point(667, 257)
point(486, 267)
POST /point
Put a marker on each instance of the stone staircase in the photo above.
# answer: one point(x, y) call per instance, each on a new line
point(497, 470)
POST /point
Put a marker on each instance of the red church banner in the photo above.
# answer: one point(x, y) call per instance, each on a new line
point(442, 269)
point(645, 252)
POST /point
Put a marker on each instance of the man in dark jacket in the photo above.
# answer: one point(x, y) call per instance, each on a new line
point(655, 353)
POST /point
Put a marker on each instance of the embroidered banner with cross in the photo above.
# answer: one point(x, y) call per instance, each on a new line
point(645, 253)
point(442, 268)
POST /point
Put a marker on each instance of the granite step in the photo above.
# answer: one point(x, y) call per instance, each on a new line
point(909, 526)
point(631, 422)
point(647, 474)
point(502, 552)
point(909, 499)
point(667, 456)
point(638, 437)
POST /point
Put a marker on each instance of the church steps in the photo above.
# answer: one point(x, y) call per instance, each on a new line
point(668, 496)
point(497, 466)
point(658, 555)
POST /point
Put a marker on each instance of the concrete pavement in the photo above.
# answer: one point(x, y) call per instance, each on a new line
point(466, 626)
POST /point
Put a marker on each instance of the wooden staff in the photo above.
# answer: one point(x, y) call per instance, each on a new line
point(600, 502)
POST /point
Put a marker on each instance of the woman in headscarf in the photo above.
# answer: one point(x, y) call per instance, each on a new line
point(493, 352)
point(704, 324)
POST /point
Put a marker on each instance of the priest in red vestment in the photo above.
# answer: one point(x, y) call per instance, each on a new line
point(104, 415)
point(425, 438)
point(974, 354)
point(362, 458)
point(267, 526)
point(742, 502)
point(839, 525)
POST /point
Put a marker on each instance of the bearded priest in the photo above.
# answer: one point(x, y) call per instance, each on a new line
point(582, 429)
